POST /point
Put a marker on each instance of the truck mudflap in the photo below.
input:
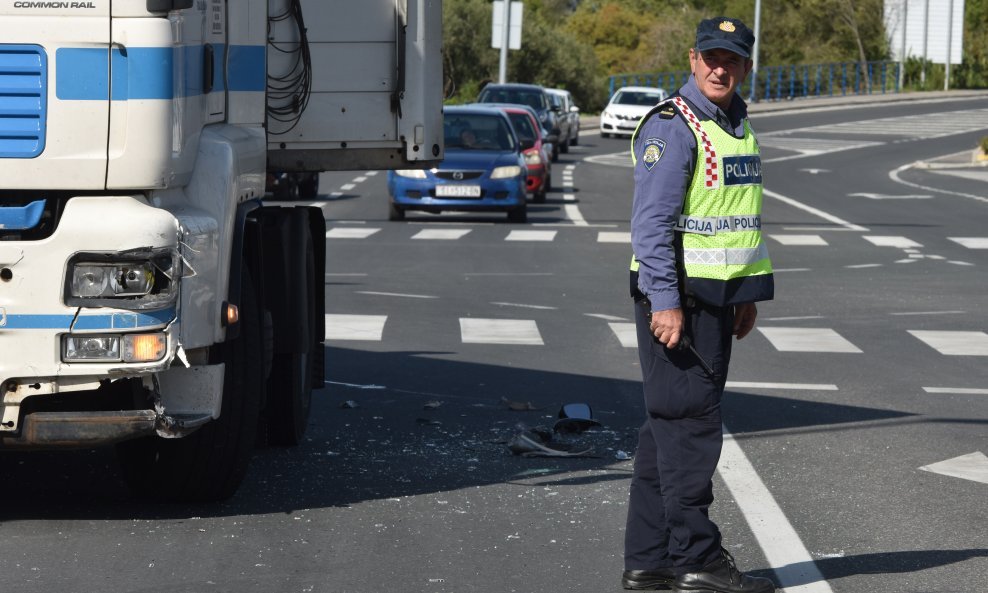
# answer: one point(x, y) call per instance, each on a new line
point(73, 430)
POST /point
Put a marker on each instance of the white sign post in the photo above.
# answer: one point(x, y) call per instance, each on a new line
point(505, 37)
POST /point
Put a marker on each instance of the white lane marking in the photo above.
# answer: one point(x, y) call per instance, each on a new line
point(808, 146)
point(524, 306)
point(572, 211)
point(397, 294)
point(348, 233)
point(605, 317)
point(440, 234)
point(347, 186)
point(807, 339)
point(799, 239)
point(368, 328)
point(360, 179)
point(517, 332)
point(508, 274)
point(371, 173)
point(763, 385)
point(814, 211)
point(861, 266)
point(783, 270)
point(531, 236)
point(894, 176)
point(785, 552)
point(614, 237)
point(930, 313)
point(890, 197)
point(626, 333)
point(956, 390)
point(354, 385)
point(891, 241)
point(973, 466)
point(971, 242)
point(800, 318)
point(954, 343)
point(335, 194)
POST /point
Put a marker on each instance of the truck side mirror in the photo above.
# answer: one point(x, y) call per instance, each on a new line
point(166, 5)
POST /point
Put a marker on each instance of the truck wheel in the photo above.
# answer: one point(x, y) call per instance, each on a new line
point(289, 387)
point(308, 186)
point(209, 464)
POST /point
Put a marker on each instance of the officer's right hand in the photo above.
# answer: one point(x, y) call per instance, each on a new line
point(667, 326)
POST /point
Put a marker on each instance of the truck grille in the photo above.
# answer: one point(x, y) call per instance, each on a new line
point(23, 100)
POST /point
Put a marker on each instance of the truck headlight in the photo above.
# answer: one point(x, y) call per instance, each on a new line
point(91, 280)
point(130, 280)
point(506, 172)
point(114, 348)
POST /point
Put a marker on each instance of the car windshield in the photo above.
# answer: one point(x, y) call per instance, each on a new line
point(641, 98)
point(533, 99)
point(522, 123)
point(477, 132)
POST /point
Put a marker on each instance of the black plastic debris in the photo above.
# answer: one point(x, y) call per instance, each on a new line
point(519, 406)
point(574, 419)
point(535, 442)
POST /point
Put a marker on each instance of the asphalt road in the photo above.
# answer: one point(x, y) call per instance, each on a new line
point(858, 408)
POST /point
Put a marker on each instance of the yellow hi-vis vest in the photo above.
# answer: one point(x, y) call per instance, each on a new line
point(722, 256)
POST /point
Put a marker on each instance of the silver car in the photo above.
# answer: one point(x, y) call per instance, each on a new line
point(569, 118)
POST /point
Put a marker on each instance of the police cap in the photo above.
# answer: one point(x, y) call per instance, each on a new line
point(724, 33)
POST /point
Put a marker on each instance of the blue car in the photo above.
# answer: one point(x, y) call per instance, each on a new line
point(483, 170)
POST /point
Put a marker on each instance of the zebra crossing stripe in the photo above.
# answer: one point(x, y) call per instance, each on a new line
point(441, 234)
point(971, 242)
point(800, 240)
point(626, 333)
point(803, 339)
point(515, 332)
point(613, 237)
point(531, 236)
point(954, 343)
point(891, 241)
point(367, 328)
point(350, 233)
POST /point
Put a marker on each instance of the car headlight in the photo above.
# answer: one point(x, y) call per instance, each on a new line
point(132, 280)
point(607, 113)
point(533, 158)
point(411, 173)
point(506, 172)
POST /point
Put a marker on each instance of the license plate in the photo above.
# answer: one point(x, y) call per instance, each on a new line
point(457, 191)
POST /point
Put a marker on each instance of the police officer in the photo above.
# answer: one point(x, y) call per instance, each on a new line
point(699, 266)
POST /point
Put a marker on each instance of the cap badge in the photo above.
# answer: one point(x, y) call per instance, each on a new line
point(727, 26)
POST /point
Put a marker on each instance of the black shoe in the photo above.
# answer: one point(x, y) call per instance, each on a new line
point(721, 576)
point(640, 580)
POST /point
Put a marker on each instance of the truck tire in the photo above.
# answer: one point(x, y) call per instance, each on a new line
point(289, 387)
point(209, 464)
point(308, 186)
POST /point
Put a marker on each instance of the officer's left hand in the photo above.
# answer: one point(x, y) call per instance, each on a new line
point(744, 319)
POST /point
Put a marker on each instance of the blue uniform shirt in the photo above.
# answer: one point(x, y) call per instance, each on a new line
point(661, 186)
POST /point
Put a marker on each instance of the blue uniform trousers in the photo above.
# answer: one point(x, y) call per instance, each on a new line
point(679, 445)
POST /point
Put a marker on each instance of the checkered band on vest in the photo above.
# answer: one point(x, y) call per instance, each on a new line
point(711, 179)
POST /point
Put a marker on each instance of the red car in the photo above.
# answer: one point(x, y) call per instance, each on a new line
point(538, 158)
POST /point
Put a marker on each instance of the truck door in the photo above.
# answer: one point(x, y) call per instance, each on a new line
point(54, 94)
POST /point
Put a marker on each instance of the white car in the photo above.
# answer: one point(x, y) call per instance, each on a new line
point(626, 107)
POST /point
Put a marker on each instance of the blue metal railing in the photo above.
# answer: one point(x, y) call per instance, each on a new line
point(773, 83)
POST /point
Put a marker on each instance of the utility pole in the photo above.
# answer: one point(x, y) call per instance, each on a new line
point(754, 50)
point(926, 34)
point(950, 30)
point(902, 52)
point(502, 71)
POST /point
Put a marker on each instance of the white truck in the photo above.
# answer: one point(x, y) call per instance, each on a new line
point(148, 297)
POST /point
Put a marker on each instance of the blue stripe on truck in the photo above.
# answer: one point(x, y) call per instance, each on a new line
point(112, 321)
point(83, 74)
